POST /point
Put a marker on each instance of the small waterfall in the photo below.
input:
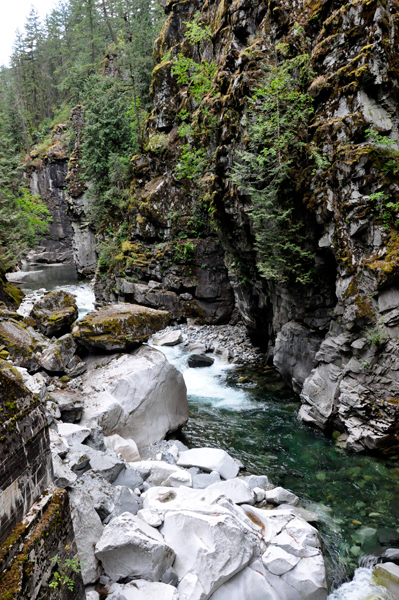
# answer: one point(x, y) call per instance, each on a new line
point(369, 561)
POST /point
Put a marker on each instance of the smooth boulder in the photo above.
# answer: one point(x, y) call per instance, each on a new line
point(131, 548)
point(144, 397)
point(210, 459)
point(119, 326)
point(142, 590)
point(125, 448)
point(55, 312)
point(198, 361)
point(169, 338)
point(387, 575)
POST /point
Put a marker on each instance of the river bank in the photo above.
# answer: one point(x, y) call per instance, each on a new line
point(260, 428)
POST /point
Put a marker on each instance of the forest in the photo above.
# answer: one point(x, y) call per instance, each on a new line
point(86, 52)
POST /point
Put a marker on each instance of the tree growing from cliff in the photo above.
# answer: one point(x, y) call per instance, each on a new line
point(278, 116)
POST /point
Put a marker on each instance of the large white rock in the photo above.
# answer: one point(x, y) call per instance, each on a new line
point(142, 590)
point(235, 489)
point(279, 495)
point(73, 434)
point(139, 396)
point(126, 448)
point(248, 584)
point(278, 561)
point(210, 459)
point(178, 479)
point(88, 529)
point(160, 470)
point(131, 548)
point(169, 338)
point(212, 538)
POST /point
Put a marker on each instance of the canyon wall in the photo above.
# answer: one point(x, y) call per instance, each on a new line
point(35, 521)
point(334, 339)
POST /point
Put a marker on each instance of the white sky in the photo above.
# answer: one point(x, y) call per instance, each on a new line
point(13, 15)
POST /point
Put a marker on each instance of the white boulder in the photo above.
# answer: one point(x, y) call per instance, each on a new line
point(236, 489)
point(179, 478)
point(142, 590)
point(159, 470)
point(279, 495)
point(248, 584)
point(212, 538)
point(88, 529)
point(73, 434)
point(63, 475)
point(151, 517)
point(35, 383)
point(131, 548)
point(169, 338)
point(57, 445)
point(139, 396)
point(210, 459)
point(278, 561)
point(127, 449)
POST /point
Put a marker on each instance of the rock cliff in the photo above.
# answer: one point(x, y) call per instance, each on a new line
point(335, 337)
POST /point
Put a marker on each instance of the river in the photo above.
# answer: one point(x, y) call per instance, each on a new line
point(356, 496)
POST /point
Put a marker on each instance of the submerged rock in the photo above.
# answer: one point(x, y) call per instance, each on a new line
point(119, 326)
point(55, 312)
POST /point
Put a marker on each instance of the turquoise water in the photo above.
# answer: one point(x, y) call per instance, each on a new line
point(253, 416)
point(356, 496)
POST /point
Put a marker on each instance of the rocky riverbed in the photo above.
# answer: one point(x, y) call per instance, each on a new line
point(152, 517)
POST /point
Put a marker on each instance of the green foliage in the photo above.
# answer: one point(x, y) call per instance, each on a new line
point(192, 163)
point(197, 32)
point(278, 116)
point(376, 335)
point(61, 578)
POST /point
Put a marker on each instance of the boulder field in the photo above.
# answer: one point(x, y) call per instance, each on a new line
point(153, 519)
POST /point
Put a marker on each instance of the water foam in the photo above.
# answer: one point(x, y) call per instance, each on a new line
point(208, 385)
point(361, 588)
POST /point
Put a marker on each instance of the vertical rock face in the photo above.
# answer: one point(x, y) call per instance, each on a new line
point(25, 467)
point(35, 522)
point(84, 251)
point(335, 339)
point(47, 180)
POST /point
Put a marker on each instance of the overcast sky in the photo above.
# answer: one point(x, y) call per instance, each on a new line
point(13, 15)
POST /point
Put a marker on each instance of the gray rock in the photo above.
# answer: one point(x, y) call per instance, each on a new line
point(131, 478)
point(125, 501)
point(131, 548)
point(203, 480)
point(279, 495)
point(63, 475)
point(70, 405)
point(196, 361)
point(210, 459)
point(170, 338)
point(88, 530)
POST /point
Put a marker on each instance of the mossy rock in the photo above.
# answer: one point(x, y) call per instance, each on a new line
point(20, 343)
point(55, 312)
point(119, 326)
